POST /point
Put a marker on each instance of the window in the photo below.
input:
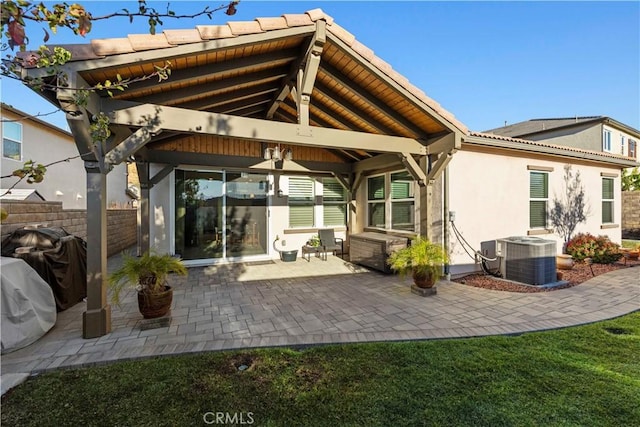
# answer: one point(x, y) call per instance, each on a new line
point(301, 202)
point(12, 140)
point(606, 140)
point(538, 195)
point(633, 146)
point(391, 201)
point(402, 202)
point(607, 200)
point(376, 201)
point(334, 202)
point(622, 145)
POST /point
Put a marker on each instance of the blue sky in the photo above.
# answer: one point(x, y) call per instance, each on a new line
point(485, 62)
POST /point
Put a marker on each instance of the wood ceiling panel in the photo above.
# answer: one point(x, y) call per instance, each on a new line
point(380, 89)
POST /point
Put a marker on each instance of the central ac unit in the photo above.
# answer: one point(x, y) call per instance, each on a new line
point(525, 259)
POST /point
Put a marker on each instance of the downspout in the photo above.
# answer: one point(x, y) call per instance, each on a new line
point(445, 208)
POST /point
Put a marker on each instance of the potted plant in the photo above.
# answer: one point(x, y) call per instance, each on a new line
point(423, 259)
point(148, 275)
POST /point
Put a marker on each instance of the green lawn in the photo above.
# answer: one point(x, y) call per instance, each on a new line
point(582, 376)
point(631, 244)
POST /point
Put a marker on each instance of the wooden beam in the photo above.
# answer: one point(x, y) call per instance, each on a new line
point(288, 80)
point(244, 162)
point(67, 97)
point(352, 87)
point(307, 75)
point(353, 109)
point(439, 166)
point(414, 169)
point(161, 174)
point(244, 104)
point(444, 144)
point(343, 182)
point(96, 320)
point(357, 180)
point(377, 162)
point(319, 106)
point(198, 122)
point(130, 145)
point(177, 96)
point(350, 53)
point(251, 110)
point(189, 76)
point(227, 97)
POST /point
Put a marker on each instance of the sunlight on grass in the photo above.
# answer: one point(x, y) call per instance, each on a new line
point(588, 375)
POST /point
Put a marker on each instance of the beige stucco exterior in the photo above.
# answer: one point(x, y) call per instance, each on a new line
point(589, 136)
point(64, 182)
point(489, 193)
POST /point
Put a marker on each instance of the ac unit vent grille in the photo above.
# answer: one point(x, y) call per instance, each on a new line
point(528, 260)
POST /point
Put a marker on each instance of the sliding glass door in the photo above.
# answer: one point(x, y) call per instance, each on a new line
point(220, 214)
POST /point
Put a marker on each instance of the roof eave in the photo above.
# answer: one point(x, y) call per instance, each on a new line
point(552, 151)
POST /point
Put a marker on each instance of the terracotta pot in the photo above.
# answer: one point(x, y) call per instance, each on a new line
point(424, 280)
point(634, 254)
point(155, 305)
point(564, 262)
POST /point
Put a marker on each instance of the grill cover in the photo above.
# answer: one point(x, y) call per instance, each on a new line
point(57, 256)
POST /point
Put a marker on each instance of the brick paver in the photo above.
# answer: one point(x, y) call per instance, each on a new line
point(320, 302)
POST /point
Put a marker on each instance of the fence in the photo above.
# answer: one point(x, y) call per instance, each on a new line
point(121, 223)
point(631, 214)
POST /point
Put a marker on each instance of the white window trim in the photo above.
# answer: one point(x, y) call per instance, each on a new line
point(381, 201)
point(622, 144)
point(612, 200)
point(324, 203)
point(388, 201)
point(313, 204)
point(534, 199)
point(407, 199)
point(14, 140)
point(606, 140)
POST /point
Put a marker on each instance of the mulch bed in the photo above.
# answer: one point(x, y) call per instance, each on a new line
point(580, 273)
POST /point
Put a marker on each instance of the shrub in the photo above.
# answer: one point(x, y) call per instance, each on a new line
point(600, 249)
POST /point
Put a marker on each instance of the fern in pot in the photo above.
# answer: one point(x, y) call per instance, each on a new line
point(148, 275)
point(422, 259)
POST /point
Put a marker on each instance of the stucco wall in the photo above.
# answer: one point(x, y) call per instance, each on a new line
point(121, 223)
point(64, 182)
point(489, 193)
point(585, 136)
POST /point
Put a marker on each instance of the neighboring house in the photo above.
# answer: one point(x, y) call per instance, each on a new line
point(275, 128)
point(596, 133)
point(25, 137)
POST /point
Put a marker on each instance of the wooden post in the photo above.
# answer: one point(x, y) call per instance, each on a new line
point(96, 321)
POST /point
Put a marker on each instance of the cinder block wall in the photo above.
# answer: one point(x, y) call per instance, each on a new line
point(631, 214)
point(121, 223)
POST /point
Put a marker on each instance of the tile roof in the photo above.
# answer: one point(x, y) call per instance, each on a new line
point(534, 144)
point(540, 125)
point(100, 48)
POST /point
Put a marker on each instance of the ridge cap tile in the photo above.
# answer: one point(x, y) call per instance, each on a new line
point(297, 19)
point(213, 32)
point(245, 27)
point(272, 23)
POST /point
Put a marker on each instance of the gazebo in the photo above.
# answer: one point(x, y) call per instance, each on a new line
point(297, 82)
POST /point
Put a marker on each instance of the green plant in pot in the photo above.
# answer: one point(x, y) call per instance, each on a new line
point(422, 259)
point(148, 275)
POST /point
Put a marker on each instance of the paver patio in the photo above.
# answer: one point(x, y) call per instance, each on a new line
point(320, 302)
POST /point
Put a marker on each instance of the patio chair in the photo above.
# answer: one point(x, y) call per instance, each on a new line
point(330, 243)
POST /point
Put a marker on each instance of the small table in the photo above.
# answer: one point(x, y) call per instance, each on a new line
point(308, 250)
